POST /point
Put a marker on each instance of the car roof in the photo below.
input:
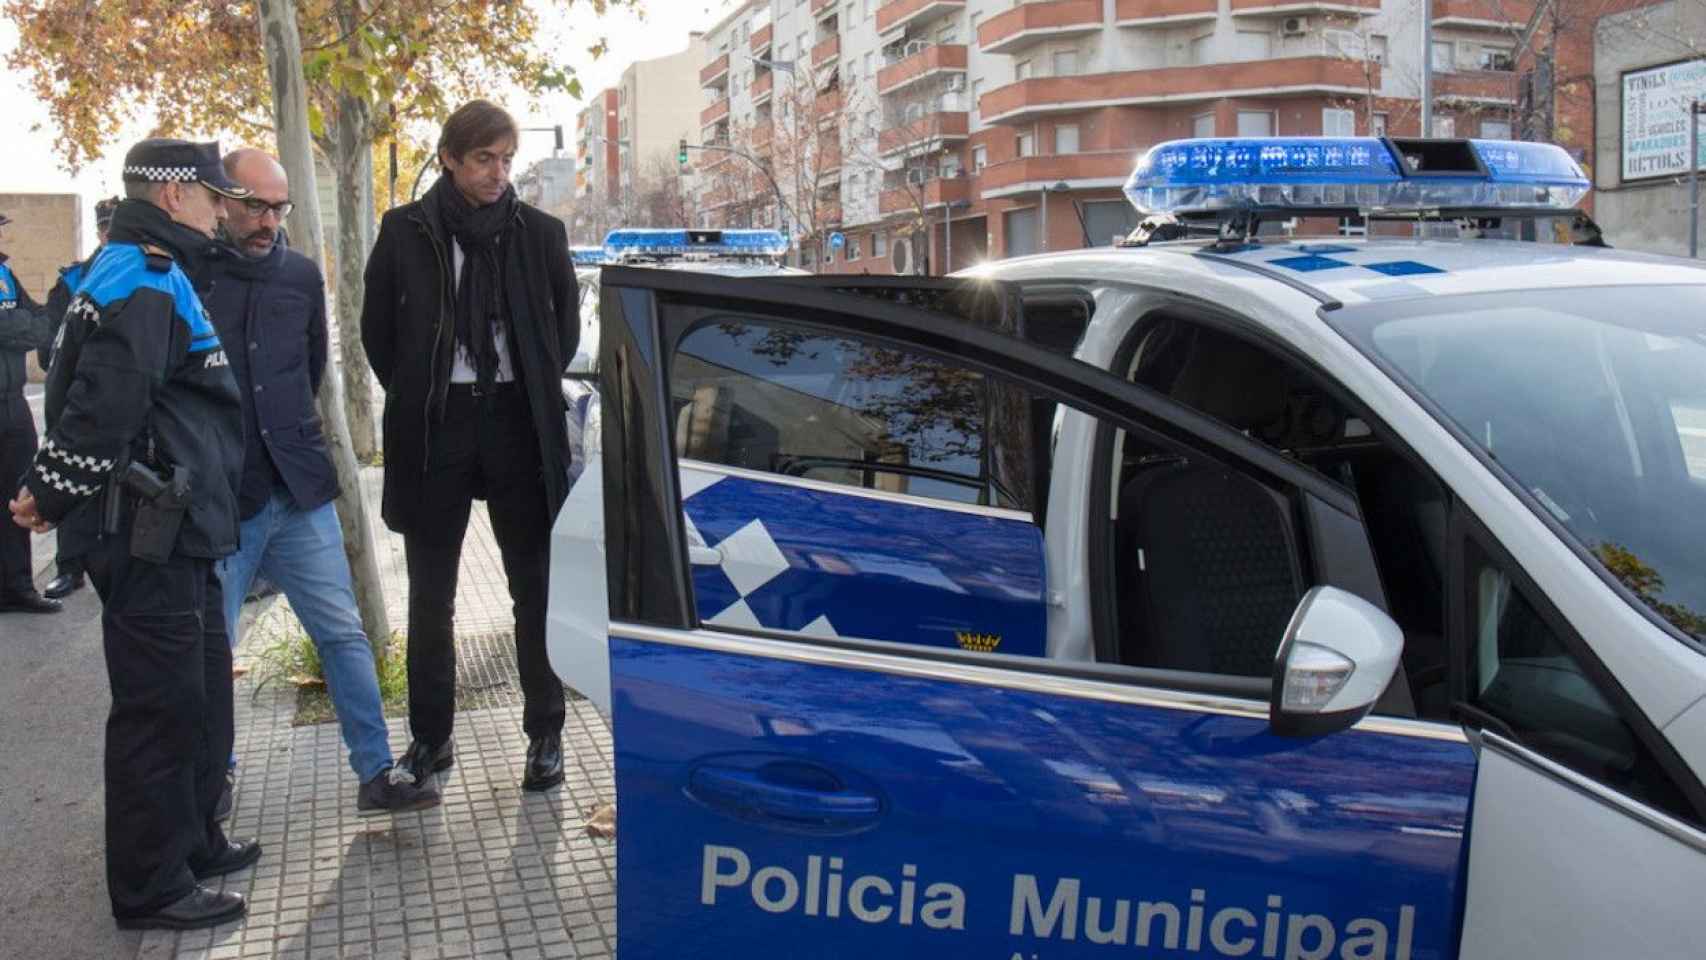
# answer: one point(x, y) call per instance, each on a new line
point(1357, 270)
point(727, 268)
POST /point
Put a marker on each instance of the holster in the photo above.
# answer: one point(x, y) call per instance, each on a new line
point(160, 507)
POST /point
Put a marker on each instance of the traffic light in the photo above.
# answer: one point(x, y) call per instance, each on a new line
point(681, 153)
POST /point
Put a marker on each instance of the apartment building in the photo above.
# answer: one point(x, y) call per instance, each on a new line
point(1018, 121)
point(628, 134)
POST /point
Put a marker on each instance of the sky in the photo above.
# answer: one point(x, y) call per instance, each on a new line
point(32, 165)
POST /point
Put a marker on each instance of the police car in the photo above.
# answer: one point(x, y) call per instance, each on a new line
point(1221, 596)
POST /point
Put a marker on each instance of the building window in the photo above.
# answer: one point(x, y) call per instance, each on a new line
point(1377, 48)
point(1255, 123)
point(1445, 126)
point(1020, 227)
point(1495, 58)
point(976, 95)
point(1022, 70)
point(853, 252)
point(1495, 129)
point(1378, 126)
point(1200, 48)
point(979, 158)
point(1338, 122)
point(1202, 125)
point(1066, 138)
point(1026, 144)
point(1253, 45)
point(1065, 63)
point(880, 244)
point(1442, 56)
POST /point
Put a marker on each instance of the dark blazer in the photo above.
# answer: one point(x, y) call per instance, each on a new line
point(271, 316)
point(409, 328)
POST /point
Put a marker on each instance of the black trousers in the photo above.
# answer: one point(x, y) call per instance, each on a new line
point(486, 448)
point(17, 449)
point(170, 730)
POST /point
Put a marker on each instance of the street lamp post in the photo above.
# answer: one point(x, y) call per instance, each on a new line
point(1696, 109)
point(1060, 186)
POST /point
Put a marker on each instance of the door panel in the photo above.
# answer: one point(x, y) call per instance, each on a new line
point(1557, 871)
point(758, 790)
point(830, 561)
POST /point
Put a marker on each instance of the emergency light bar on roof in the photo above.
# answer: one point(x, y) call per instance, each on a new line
point(1353, 175)
point(684, 243)
point(586, 256)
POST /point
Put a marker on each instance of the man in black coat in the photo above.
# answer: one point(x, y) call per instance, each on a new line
point(470, 320)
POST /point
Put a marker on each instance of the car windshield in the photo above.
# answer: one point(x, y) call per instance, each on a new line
point(1593, 399)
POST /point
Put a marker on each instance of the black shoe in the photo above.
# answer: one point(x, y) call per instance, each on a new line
point(196, 910)
point(544, 762)
point(394, 790)
point(422, 760)
point(63, 586)
point(31, 602)
point(227, 796)
point(237, 855)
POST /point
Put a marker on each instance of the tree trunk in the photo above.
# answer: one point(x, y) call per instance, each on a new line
point(352, 161)
point(290, 117)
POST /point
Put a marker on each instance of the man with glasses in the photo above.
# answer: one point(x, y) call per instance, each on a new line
point(269, 304)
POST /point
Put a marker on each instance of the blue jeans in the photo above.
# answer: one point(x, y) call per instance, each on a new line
point(303, 553)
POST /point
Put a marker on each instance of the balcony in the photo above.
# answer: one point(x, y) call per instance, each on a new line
point(1292, 8)
point(942, 58)
point(828, 107)
point(935, 193)
point(824, 9)
point(1486, 87)
point(762, 38)
point(1033, 21)
point(895, 15)
point(714, 113)
point(1027, 100)
point(926, 133)
point(826, 53)
point(1502, 16)
point(763, 87)
point(715, 73)
point(1081, 170)
point(761, 136)
point(1153, 13)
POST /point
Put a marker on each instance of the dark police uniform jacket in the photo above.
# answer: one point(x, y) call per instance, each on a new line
point(58, 300)
point(139, 370)
point(23, 327)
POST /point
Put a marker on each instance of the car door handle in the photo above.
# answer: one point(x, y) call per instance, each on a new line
point(749, 794)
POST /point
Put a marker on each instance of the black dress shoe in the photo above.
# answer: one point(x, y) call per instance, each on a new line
point(63, 586)
point(544, 763)
point(237, 855)
point(422, 760)
point(196, 910)
point(31, 602)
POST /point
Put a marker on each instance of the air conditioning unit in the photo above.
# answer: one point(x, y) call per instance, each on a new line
point(903, 256)
point(1294, 26)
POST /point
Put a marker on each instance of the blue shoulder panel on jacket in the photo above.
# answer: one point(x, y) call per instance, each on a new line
point(8, 284)
point(120, 269)
point(73, 275)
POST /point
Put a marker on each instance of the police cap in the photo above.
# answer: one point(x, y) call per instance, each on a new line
point(104, 210)
point(161, 160)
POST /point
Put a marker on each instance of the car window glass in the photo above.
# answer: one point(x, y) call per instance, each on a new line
point(1524, 675)
point(766, 397)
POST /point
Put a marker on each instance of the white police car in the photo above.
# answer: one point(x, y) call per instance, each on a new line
point(1209, 598)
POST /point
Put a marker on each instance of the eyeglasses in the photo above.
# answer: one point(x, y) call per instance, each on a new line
point(258, 207)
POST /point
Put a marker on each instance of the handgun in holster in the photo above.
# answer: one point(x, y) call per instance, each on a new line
point(160, 507)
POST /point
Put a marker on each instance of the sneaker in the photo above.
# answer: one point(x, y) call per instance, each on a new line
point(227, 796)
point(423, 761)
point(394, 790)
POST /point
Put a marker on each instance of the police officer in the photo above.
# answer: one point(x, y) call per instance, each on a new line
point(68, 572)
point(140, 469)
point(23, 327)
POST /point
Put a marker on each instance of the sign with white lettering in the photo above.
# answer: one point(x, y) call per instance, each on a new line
point(1655, 119)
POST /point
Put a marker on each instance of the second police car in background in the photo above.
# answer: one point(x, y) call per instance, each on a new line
point(1211, 597)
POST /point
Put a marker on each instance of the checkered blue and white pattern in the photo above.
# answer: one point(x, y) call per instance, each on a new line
point(1315, 257)
point(161, 174)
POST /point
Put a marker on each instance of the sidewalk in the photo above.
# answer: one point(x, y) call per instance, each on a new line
point(492, 872)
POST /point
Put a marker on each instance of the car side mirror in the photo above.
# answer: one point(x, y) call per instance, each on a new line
point(1339, 654)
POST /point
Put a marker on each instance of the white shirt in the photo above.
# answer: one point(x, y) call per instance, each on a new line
point(462, 368)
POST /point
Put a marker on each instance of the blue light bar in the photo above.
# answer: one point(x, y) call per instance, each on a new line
point(1185, 177)
point(682, 243)
point(587, 256)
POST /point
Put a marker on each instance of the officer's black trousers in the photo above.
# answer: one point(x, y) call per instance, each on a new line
point(486, 447)
point(17, 449)
point(170, 730)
